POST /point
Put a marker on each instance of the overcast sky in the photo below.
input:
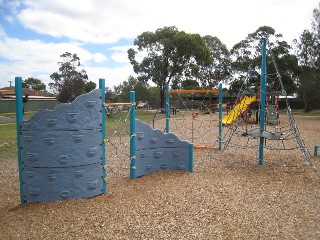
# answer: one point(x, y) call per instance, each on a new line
point(34, 33)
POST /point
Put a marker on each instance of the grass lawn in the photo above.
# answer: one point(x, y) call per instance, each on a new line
point(8, 142)
point(311, 113)
point(13, 115)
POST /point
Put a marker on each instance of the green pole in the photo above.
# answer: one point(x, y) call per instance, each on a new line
point(220, 116)
point(167, 109)
point(263, 98)
point(315, 150)
point(19, 118)
point(191, 157)
point(103, 131)
point(132, 136)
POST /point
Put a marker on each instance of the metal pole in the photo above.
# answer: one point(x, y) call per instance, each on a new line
point(19, 118)
point(103, 133)
point(220, 116)
point(315, 150)
point(132, 135)
point(263, 98)
point(167, 109)
point(190, 157)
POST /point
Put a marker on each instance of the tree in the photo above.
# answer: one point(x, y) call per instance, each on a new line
point(189, 84)
point(34, 83)
point(69, 81)
point(124, 88)
point(168, 56)
point(308, 51)
point(90, 86)
point(246, 61)
point(219, 69)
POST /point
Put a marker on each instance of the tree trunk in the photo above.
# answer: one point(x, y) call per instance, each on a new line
point(162, 98)
point(306, 102)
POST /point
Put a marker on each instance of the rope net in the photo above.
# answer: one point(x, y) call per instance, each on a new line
point(283, 144)
point(118, 141)
point(193, 117)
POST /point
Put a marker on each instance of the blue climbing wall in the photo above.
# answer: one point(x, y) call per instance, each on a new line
point(61, 151)
point(156, 151)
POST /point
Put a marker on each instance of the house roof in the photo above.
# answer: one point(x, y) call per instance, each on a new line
point(9, 91)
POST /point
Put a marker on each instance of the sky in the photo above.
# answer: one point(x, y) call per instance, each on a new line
point(34, 33)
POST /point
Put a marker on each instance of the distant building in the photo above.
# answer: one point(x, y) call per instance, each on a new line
point(36, 100)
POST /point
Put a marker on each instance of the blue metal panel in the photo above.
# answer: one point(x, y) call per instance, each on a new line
point(152, 160)
point(160, 151)
point(62, 151)
point(48, 184)
point(155, 138)
point(60, 148)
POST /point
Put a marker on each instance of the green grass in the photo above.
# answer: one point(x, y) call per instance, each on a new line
point(13, 115)
point(311, 113)
point(8, 141)
point(295, 112)
point(115, 122)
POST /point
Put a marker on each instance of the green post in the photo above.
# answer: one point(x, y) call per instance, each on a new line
point(263, 98)
point(315, 151)
point(19, 118)
point(132, 136)
point(167, 110)
point(103, 132)
point(220, 116)
point(190, 157)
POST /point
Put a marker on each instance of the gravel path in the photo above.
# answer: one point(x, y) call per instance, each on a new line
point(221, 201)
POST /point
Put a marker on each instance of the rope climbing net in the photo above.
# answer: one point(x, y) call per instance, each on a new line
point(117, 139)
point(280, 137)
point(193, 117)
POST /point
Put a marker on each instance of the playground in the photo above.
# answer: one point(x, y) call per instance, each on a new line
point(223, 200)
point(188, 172)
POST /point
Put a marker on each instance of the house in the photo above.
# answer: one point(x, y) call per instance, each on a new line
point(35, 100)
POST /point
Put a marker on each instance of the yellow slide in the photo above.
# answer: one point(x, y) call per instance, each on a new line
point(238, 109)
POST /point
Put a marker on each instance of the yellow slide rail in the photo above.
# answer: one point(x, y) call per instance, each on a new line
point(238, 109)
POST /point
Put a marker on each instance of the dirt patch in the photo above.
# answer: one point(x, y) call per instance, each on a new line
point(223, 200)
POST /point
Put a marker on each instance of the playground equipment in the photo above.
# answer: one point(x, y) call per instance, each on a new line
point(191, 116)
point(238, 109)
point(62, 153)
point(268, 139)
point(160, 151)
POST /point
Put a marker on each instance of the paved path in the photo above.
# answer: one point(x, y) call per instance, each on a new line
point(10, 119)
point(7, 120)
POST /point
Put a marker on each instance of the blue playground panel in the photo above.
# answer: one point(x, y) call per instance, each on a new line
point(157, 151)
point(61, 151)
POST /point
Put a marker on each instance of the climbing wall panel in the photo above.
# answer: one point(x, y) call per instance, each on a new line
point(61, 151)
point(156, 151)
